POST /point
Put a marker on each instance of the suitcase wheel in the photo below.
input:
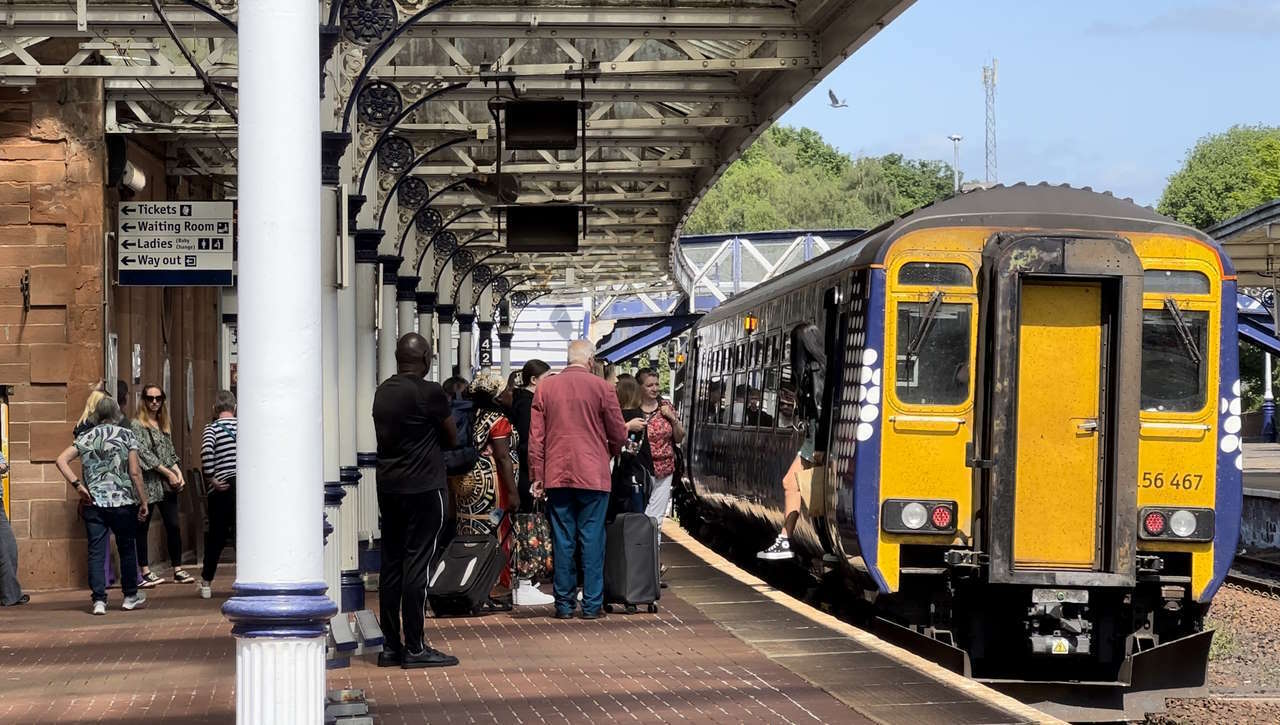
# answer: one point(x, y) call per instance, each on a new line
point(631, 609)
point(608, 608)
point(653, 609)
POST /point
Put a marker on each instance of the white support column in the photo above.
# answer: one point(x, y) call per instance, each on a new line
point(349, 515)
point(387, 334)
point(407, 301)
point(466, 322)
point(444, 316)
point(333, 492)
point(279, 607)
point(366, 290)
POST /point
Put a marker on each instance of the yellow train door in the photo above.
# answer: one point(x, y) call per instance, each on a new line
point(1060, 378)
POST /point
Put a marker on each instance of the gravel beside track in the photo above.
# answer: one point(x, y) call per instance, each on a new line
point(1244, 664)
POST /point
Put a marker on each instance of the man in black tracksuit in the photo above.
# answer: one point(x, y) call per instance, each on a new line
point(413, 424)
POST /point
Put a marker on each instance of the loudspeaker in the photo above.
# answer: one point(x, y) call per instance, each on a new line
point(543, 228)
point(541, 125)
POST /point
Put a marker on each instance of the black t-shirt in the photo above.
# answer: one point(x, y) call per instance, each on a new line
point(409, 416)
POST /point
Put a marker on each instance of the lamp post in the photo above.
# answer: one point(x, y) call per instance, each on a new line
point(279, 607)
point(955, 166)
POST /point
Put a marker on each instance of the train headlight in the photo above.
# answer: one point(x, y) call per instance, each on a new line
point(918, 516)
point(1174, 523)
point(1183, 523)
point(914, 515)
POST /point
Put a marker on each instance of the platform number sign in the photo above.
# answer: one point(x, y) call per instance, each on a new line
point(176, 243)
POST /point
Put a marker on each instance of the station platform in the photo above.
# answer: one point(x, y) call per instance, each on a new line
point(1262, 470)
point(725, 647)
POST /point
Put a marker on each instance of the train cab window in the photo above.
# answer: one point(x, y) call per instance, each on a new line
point(1173, 359)
point(935, 274)
point(933, 352)
point(1172, 281)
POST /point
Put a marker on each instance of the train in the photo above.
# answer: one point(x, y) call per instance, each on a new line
point(1029, 435)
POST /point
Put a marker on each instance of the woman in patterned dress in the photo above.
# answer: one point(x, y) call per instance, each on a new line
point(485, 493)
point(162, 474)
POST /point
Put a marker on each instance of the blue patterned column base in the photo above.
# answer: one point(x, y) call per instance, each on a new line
point(280, 611)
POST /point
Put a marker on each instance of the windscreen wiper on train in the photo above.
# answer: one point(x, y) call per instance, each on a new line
point(926, 324)
point(1184, 330)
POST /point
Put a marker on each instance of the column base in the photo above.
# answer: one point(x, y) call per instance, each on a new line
point(280, 681)
point(352, 591)
point(371, 557)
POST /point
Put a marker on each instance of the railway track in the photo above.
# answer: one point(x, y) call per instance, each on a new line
point(1260, 576)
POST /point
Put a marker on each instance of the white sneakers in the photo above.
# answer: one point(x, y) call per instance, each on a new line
point(206, 589)
point(136, 601)
point(99, 608)
point(527, 595)
point(780, 549)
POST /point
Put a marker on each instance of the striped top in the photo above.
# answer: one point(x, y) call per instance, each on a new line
point(218, 450)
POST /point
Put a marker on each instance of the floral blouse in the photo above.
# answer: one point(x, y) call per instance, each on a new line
point(155, 449)
point(104, 458)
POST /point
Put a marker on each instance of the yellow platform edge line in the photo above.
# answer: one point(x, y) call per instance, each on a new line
point(975, 689)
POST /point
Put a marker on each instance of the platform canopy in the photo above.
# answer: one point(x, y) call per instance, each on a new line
point(677, 90)
point(1252, 240)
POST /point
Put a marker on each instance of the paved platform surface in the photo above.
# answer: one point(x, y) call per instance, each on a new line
point(720, 650)
point(1262, 469)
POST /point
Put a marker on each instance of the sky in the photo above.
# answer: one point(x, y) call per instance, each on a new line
point(1110, 95)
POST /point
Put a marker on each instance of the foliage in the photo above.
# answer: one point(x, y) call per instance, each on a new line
point(1224, 175)
point(790, 178)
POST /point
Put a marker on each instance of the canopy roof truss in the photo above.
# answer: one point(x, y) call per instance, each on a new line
point(678, 89)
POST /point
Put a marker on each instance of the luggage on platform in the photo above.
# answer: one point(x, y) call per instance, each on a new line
point(631, 563)
point(464, 576)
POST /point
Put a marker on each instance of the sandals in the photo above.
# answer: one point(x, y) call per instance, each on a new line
point(148, 580)
point(181, 577)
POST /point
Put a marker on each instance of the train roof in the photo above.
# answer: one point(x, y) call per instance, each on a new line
point(1017, 206)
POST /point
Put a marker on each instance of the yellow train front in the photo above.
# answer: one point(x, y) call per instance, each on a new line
point(1031, 422)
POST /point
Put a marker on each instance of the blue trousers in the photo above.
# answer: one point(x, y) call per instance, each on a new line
point(122, 521)
point(577, 527)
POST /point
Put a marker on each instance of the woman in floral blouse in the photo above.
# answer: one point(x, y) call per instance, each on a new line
point(112, 491)
point(162, 475)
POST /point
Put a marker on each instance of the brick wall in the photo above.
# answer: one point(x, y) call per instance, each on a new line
point(52, 165)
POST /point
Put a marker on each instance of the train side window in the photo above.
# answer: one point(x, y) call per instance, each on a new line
point(933, 353)
point(738, 408)
point(935, 274)
point(786, 386)
point(1175, 281)
point(769, 396)
point(1173, 361)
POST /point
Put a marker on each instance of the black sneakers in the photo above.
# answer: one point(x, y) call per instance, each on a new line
point(428, 657)
point(780, 549)
point(389, 658)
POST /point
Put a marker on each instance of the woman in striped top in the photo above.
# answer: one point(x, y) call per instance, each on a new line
point(218, 463)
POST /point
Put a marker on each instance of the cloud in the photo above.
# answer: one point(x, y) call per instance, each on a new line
point(1238, 17)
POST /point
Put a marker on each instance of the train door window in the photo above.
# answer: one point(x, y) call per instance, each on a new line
point(933, 352)
point(1174, 368)
point(769, 384)
point(786, 386)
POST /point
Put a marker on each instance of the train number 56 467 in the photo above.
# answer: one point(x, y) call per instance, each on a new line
point(1183, 481)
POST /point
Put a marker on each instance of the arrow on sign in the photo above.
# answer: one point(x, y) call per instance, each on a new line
point(127, 227)
point(127, 244)
point(127, 210)
point(126, 261)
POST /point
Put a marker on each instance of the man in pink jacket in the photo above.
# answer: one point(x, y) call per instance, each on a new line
point(575, 428)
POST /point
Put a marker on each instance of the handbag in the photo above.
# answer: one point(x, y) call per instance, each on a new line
point(533, 544)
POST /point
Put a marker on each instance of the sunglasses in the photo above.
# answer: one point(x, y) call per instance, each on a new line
point(154, 398)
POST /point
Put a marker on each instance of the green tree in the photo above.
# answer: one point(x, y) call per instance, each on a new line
point(1225, 174)
point(791, 179)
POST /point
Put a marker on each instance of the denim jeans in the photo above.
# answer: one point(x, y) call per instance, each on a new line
point(577, 526)
point(99, 521)
point(10, 589)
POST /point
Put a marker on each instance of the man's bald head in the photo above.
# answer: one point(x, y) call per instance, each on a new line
point(413, 354)
point(581, 352)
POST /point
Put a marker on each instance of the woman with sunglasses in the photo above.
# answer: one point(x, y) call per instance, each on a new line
point(162, 476)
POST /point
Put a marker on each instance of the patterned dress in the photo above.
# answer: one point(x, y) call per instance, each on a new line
point(477, 492)
point(104, 458)
point(155, 448)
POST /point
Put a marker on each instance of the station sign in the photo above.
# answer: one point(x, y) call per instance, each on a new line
point(176, 243)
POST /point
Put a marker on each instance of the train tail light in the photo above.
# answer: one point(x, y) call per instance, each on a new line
point(1153, 523)
point(1169, 523)
point(924, 516)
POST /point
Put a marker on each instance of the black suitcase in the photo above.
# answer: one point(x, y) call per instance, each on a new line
point(631, 563)
point(465, 574)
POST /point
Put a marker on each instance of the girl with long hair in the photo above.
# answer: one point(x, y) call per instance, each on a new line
point(162, 476)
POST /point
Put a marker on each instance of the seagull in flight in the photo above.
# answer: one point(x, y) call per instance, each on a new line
point(836, 102)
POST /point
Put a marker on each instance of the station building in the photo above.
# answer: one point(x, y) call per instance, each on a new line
point(65, 324)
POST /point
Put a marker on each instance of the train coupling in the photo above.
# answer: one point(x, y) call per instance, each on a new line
point(1058, 623)
point(965, 558)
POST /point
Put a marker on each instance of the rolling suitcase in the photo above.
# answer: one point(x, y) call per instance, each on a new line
point(465, 574)
point(631, 563)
